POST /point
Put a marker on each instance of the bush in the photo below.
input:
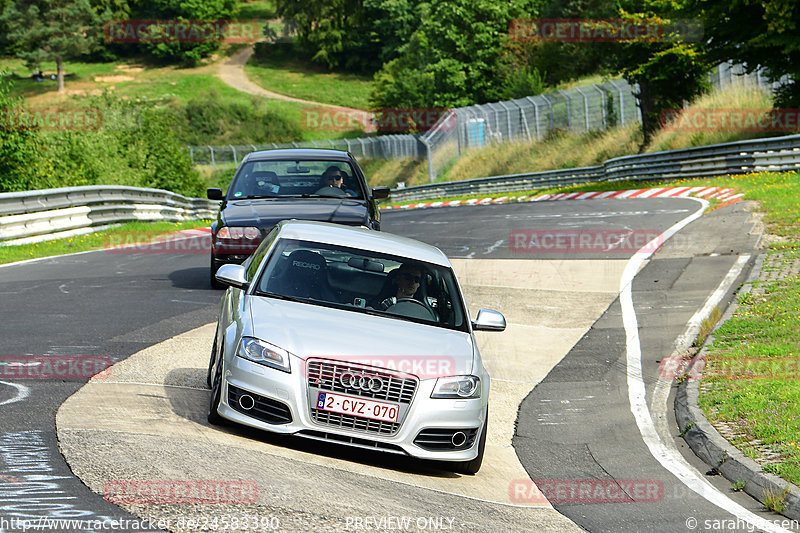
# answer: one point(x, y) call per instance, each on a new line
point(135, 146)
point(20, 167)
point(209, 119)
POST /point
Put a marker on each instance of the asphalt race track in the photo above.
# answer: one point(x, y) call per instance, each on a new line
point(561, 375)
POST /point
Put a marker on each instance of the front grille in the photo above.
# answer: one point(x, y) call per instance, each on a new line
point(355, 423)
point(442, 439)
point(265, 409)
point(326, 375)
point(353, 441)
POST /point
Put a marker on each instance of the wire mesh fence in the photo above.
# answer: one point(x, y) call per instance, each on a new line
point(578, 110)
point(382, 147)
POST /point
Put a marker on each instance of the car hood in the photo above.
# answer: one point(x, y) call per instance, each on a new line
point(307, 331)
point(265, 212)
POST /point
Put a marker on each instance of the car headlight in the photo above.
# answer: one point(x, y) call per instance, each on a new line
point(457, 387)
point(263, 353)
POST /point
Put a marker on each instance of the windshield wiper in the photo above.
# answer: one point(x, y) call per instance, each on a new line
point(281, 297)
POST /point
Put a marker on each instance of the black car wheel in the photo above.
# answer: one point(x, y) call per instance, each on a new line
point(214, 267)
point(216, 398)
point(211, 362)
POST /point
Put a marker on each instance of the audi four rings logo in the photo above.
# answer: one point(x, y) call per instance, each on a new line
point(361, 382)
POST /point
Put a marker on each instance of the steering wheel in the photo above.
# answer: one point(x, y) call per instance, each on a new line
point(414, 300)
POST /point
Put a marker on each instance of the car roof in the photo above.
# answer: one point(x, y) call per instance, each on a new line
point(375, 241)
point(299, 153)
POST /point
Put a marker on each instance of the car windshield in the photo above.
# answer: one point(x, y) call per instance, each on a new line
point(296, 178)
point(363, 281)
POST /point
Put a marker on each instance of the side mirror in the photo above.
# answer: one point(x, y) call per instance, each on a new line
point(233, 276)
point(380, 192)
point(214, 194)
point(488, 320)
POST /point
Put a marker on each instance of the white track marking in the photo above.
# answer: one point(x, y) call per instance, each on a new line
point(658, 402)
point(22, 393)
point(668, 456)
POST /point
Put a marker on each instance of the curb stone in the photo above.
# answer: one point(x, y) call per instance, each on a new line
point(706, 442)
point(719, 193)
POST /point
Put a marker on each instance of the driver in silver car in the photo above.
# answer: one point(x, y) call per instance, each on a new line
point(407, 279)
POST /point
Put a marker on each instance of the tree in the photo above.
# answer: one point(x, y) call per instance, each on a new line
point(756, 33)
point(668, 71)
point(358, 35)
point(52, 30)
point(456, 57)
point(189, 53)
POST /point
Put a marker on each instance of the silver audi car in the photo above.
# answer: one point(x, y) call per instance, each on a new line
point(352, 336)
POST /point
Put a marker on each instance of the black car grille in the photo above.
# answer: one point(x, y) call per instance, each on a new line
point(353, 441)
point(264, 409)
point(442, 439)
point(326, 376)
point(356, 423)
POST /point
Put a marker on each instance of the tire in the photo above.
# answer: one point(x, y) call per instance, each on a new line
point(216, 397)
point(213, 270)
point(211, 362)
point(472, 467)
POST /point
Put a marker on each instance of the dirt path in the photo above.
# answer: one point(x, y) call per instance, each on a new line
point(231, 71)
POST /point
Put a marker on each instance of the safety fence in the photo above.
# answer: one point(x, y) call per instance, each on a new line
point(579, 109)
point(34, 216)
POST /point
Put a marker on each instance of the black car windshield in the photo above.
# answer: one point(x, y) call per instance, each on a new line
point(363, 281)
point(295, 178)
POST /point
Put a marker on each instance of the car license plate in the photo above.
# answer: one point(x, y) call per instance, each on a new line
point(357, 407)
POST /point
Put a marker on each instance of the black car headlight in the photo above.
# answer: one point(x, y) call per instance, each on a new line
point(264, 353)
point(457, 387)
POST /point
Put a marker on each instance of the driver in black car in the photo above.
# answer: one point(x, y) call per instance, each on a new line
point(407, 280)
point(334, 177)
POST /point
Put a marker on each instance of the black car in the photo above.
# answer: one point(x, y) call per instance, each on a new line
point(275, 185)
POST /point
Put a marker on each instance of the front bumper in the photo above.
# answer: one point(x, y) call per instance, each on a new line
point(290, 392)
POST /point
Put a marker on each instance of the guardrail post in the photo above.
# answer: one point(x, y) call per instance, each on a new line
point(602, 105)
point(431, 175)
point(569, 109)
point(535, 116)
point(235, 160)
point(585, 108)
point(213, 162)
point(508, 119)
point(524, 120)
point(621, 102)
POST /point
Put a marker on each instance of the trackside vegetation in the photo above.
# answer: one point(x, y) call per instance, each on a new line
point(124, 234)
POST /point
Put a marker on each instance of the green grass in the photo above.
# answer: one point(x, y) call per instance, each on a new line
point(276, 68)
point(160, 84)
point(125, 233)
point(257, 10)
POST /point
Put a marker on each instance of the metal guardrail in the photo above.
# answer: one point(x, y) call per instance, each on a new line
point(47, 214)
point(772, 154)
point(33, 216)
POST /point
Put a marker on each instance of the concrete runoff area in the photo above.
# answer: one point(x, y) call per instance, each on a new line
point(146, 420)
